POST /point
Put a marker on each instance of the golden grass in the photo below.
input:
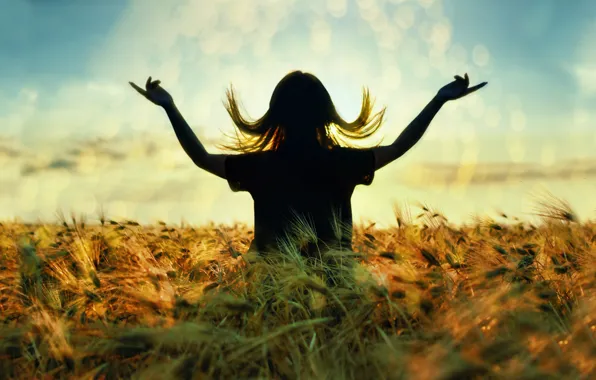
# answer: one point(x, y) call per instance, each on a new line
point(432, 301)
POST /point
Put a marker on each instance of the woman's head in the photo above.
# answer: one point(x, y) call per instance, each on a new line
point(300, 112)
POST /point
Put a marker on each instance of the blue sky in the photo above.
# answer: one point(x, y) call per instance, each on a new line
point(65, 66)
point(47, 42)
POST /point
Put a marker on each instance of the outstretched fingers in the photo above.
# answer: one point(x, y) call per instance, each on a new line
point(139, 89)
point(475, 88)
point(149, 85)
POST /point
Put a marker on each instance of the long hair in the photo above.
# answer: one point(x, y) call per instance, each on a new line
point(300, 106)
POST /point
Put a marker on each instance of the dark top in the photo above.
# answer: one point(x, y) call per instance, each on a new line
point(308, 186)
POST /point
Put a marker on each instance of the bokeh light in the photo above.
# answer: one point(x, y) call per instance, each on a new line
point(480, 55)
point(403, 50)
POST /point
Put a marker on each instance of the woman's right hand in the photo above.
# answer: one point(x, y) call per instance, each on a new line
point(154, 93)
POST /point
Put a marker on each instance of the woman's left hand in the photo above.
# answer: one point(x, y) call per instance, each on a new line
point(458, 88)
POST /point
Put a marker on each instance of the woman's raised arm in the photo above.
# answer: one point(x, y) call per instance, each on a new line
point(413, 133)
point(213, 163)
point(409, 137)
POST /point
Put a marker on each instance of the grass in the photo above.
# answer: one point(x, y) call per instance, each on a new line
point(425, 300)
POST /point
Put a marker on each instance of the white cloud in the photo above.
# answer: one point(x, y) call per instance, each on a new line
point(585, 75)
point(583, 67)
point(20, 108)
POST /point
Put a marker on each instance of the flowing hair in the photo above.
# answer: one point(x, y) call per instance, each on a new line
point(300, 104)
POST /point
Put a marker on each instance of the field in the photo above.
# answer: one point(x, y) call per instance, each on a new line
point(423, 300)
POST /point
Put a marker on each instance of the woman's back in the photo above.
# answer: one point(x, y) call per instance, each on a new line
point(300, 178)
point(310, 190)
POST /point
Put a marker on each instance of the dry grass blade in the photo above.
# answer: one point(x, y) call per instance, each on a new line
point(430, 258)
point(124, 300)
point(552, 208)
point(260, 341)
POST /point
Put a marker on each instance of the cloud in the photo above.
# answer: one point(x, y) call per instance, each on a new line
point(55, 164)
point(9, 187)
point(85, 157)
point(583, 68)
point(11, 146)
point(9, 152)
point(16, 111)
point(585, 75)
point(104, 148)
point(438, 174)
point(155, 190)
point(100, 154)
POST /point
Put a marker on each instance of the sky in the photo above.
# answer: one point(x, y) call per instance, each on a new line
point(75, 137)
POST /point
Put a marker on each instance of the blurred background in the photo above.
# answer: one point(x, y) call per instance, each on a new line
point(75, 137)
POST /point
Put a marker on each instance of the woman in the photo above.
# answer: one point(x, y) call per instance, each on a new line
point(300, 178)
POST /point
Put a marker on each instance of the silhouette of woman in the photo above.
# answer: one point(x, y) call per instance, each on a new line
point(292, 164)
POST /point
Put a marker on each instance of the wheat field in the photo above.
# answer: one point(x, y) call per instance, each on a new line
point(497, 299)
